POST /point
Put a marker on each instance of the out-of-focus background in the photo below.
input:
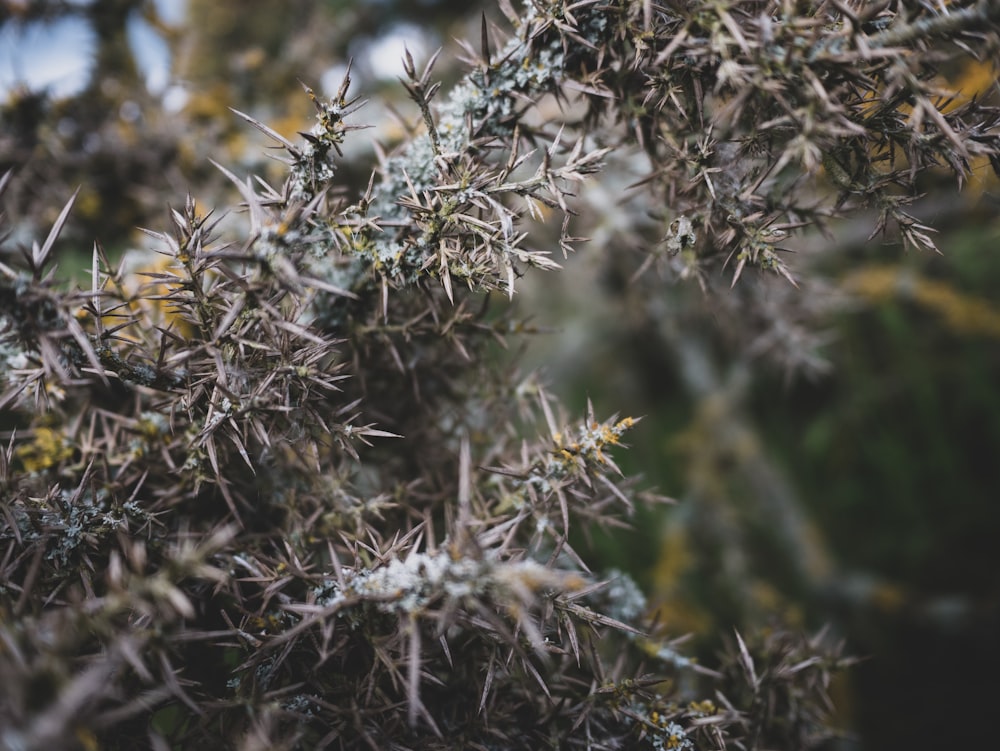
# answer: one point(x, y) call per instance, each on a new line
point(841, 469)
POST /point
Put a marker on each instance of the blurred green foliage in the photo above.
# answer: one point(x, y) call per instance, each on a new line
point(891, 454)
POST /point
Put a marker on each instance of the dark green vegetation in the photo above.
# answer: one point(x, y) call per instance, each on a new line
point(273, 483)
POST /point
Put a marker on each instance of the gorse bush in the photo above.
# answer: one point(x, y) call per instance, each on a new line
point(276, 488)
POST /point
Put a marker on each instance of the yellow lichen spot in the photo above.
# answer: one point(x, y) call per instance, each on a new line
point(88, 203)
point(961, 312)
point(888, 598)
point(975, 78)
point(148, 282)
point(149, 429)
point(676, 612)
point(48, 449)
point(86, 739)
point(702, 708)
point(273, 622)
point(207, 104)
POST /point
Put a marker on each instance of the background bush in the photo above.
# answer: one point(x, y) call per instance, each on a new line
point(271, 479)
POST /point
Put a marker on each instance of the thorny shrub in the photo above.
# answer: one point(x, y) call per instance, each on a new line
point(277, 493)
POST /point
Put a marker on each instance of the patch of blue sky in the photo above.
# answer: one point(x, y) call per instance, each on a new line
point(56, 56)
